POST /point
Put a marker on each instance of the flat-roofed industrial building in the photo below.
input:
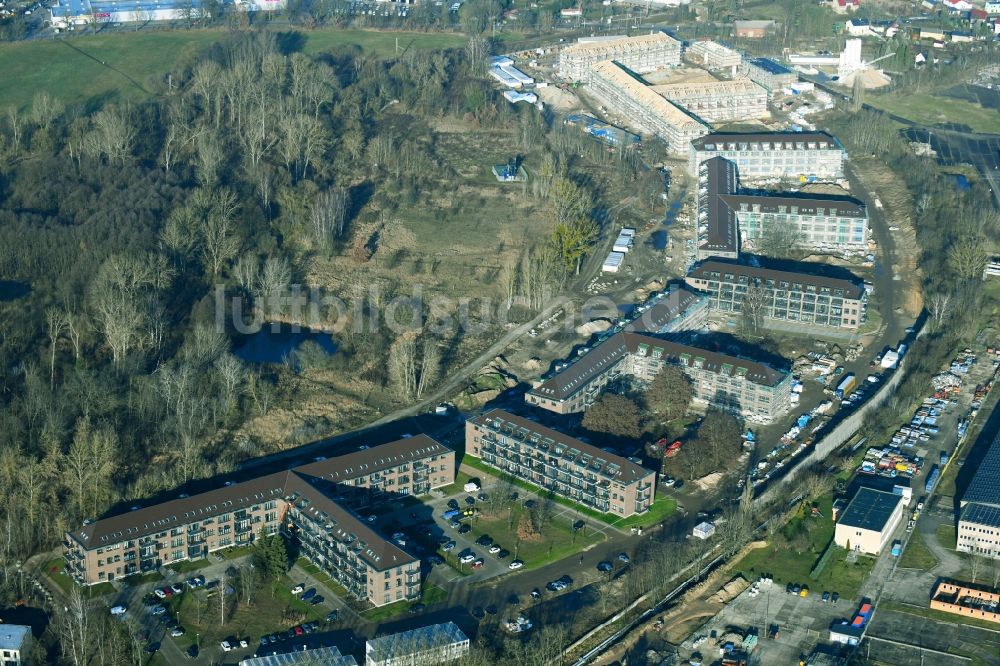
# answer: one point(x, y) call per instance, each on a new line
point(867, 524)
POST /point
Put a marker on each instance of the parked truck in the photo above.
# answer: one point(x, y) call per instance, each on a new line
point(932, 478)
point(845, 386)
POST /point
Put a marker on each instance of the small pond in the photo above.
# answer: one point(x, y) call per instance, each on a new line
point(274, 342)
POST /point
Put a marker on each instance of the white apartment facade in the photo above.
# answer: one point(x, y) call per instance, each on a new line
point(773, 154)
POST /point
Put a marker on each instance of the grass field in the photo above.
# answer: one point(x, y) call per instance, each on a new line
point(662, 506)
point(55, 570)
point(796, 549)
point(274, 609)
point(557, 540)
point(932, 109)
point(917, 555)
point(98, 67)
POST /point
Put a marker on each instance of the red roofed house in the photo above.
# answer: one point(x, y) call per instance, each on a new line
point(844, 6)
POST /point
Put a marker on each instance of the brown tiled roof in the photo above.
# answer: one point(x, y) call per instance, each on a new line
point(621, 469)
point(720, 179)
point(766, 141)
point(704, 270)
point(806, 204)
point(179, 512)
point(665, 310)
point(598, 360)
point(605, 355)
point(717, 362)
point(373, 548)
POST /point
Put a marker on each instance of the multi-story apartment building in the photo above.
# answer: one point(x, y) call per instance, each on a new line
point(713, 55)
point(781, 295)
point(717, 101)
point(642, 53)
point(773, 154)
point(627, 95)
point(562, 464)
point(751, 388)
point(312, 503)
point(769, 74)
point(674, 310)
point(979, 521)
point(718, 233)
point(820, 221)
point(730, 221)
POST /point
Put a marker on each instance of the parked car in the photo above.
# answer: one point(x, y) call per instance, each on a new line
point(494, 549)
point(492, 610)
point(448, 546)
point(578, 525)
point(167, 591)
point(482, 497)
point(309, 594)
point(453, 503)
point(226, 646)
point(623, 557)
point(464, 529)
point(177, 588)
point(478, 563)
point(678, 484)
point(536, 594)
point(160, 594)
point(470, 500)
point(484, 540)
point(478, 613)
point(468, 557)
point(118, 610)
point(298, 630)
point(331, 616)
point(317, 600)
point(515, 565)
point(158, 610)
point(178, 631)
point(529, 504)
point(298, 589)
point(605, 566)
point(503, 554)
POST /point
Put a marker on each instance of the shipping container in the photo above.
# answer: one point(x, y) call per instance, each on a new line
point(845, 386)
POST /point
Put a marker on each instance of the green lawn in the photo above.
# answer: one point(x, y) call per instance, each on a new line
point(55, 570)
point(947, 535)
point(795, 550)
point(98, 67)
point(429, 594)
point(274, 609)
point(187, 566)
point(917, 555)
point(557, 540)
point(662, 507)
point(931, 109)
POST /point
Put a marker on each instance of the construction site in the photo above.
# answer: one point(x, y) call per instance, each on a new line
point(644, 53)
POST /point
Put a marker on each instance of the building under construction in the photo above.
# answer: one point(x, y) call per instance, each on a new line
point(718, 101)
point(642, 53)
point(801, 155)
point(623, 92)
point(713, 55)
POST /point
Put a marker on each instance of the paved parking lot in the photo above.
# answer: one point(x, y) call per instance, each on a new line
point(803, 623)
